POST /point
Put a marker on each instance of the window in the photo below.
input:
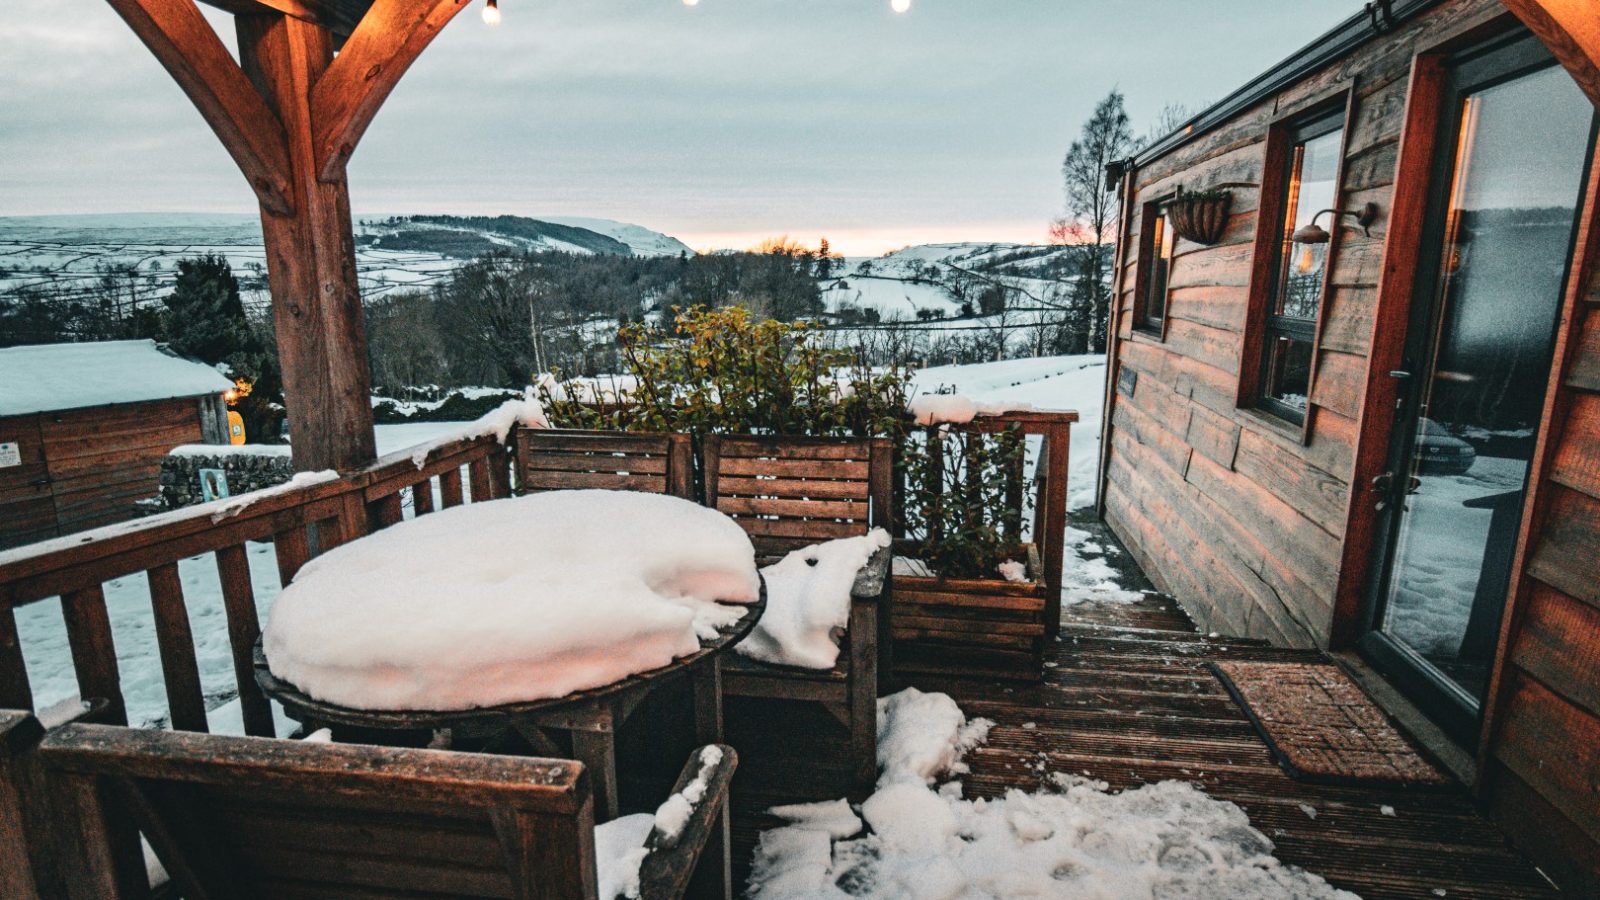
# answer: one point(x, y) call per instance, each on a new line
point(1156, 251)
point(1294, 299)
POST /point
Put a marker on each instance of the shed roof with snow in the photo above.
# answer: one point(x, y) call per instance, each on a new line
point(46, 377)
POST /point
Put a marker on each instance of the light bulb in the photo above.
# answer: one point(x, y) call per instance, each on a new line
point(691, 2)
point(1307, 260)
point(900, 6)
point(491, 13)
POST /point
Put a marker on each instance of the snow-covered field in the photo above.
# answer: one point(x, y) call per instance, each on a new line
point(1071, 382)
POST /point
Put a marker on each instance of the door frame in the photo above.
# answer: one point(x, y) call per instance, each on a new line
point(1404, 257)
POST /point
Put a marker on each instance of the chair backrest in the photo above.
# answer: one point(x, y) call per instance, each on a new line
point(789, 492)
point(264, 818)
point(551, 459)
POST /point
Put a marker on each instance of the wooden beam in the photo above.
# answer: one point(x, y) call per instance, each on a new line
point(184, 42)
point(311, 264)
point(338, 16)
point(345, 99)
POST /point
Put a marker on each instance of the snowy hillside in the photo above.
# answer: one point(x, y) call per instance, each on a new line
point(139, 251)
point(937, 279)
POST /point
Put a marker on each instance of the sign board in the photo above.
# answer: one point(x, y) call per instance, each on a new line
point(213, 484)
point(10, 455)
point(235, 428)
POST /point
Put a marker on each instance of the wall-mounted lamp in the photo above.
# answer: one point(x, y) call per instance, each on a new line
point(1313, 233)
point(491, 13)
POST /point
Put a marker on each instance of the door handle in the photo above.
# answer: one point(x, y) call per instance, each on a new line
point(1382, 485)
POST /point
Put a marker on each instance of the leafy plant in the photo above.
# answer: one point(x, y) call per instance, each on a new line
point(965, 495)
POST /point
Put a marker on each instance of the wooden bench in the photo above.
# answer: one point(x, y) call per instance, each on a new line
point(236, 817)
point(550, 459)
point(791, 492)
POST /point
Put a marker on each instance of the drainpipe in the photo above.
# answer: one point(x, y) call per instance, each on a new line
point(1121, 172)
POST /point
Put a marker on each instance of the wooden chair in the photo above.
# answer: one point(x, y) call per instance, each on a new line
point(791, 492)
point(236, 817)
point(565, 459)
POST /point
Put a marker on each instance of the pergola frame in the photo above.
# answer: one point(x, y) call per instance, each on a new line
point(291, 113)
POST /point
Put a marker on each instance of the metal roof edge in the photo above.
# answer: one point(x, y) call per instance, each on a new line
point(1374, 20)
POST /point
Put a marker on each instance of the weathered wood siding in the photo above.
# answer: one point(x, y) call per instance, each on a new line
point(1233, 511)
point(86, 467)
point(1541, 762)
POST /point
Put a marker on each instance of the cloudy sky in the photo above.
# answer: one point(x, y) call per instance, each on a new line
point(721, 123)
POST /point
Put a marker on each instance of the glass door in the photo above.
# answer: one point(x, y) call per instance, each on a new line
point(1517, 136)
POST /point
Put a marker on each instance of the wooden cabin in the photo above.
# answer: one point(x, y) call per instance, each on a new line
point(1355, 389)
point(83, 429)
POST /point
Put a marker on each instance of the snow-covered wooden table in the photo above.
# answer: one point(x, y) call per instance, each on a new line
point(556, 612)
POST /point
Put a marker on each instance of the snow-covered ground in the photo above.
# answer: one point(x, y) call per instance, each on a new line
point(918, 837)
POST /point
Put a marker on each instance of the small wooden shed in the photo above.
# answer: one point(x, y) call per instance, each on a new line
point(1354, 399)
point(83, 428)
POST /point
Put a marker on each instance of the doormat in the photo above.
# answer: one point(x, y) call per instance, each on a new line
point(1322, 728)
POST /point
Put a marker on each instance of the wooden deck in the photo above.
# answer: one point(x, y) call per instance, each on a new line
point(1128, 700)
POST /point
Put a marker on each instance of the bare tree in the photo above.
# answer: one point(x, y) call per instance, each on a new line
point(1091, 211)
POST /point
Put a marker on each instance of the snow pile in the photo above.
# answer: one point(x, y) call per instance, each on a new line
point(1084, 579)
point(228, 507)
point(1163, 840)
point(514, 600)
point(808, 597)
point(618, 851)
point(942, 409)
point(674, 813)
point(527, 412)
point(1013, 571)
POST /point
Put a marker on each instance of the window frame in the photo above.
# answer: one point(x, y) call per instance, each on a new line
point(1153, 212)
point(1329, 113)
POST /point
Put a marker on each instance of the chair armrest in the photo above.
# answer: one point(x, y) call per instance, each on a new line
point(670, 857)
point(874, 576)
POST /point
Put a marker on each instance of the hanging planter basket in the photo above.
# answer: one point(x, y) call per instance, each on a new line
point(1202, 216)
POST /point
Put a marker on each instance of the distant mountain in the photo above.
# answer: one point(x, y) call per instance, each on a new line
point(472, 236)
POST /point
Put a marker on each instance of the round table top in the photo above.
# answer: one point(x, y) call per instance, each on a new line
point(301, 707)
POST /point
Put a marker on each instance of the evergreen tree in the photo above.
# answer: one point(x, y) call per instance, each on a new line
point(205, 319)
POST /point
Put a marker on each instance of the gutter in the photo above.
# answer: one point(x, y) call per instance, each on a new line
point(1376, 18)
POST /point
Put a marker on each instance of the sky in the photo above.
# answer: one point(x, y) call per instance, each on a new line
point(721, 123)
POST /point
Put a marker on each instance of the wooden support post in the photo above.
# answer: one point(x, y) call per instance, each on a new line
point(311, 260)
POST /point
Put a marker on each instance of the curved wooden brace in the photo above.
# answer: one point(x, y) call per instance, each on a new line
point(1571, 29)
point(388, 40)
point(187, 46)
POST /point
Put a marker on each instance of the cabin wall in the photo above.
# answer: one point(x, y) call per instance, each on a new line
point(1239, 514)
point(1541, 765)
point(83, 468)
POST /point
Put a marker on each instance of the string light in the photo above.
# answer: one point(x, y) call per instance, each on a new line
point(491, 13)
point(900, 6)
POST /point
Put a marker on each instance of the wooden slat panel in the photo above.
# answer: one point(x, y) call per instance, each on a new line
point(976, 638)
point(595, 462)
point(396, 875)
point(812, 531)
point(796, 468)
point(244, 628)
point(796, 448)
point(1577, 459)
point(422, 498)
point(536, 442)
point(812, 509)
point(179, 670)
point(968, 626)
point(564, 481)
point(791, 487)
point(482, 482)
point(1565, 553)
point(94, 653)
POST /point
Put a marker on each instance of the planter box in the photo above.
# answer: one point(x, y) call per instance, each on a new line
point(967, 626)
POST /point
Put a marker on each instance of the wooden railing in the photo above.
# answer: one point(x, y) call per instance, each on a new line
point(301, 520)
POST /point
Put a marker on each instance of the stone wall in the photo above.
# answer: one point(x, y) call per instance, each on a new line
point(249, 467)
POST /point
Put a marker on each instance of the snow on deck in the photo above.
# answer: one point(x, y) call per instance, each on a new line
point(41, 377)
